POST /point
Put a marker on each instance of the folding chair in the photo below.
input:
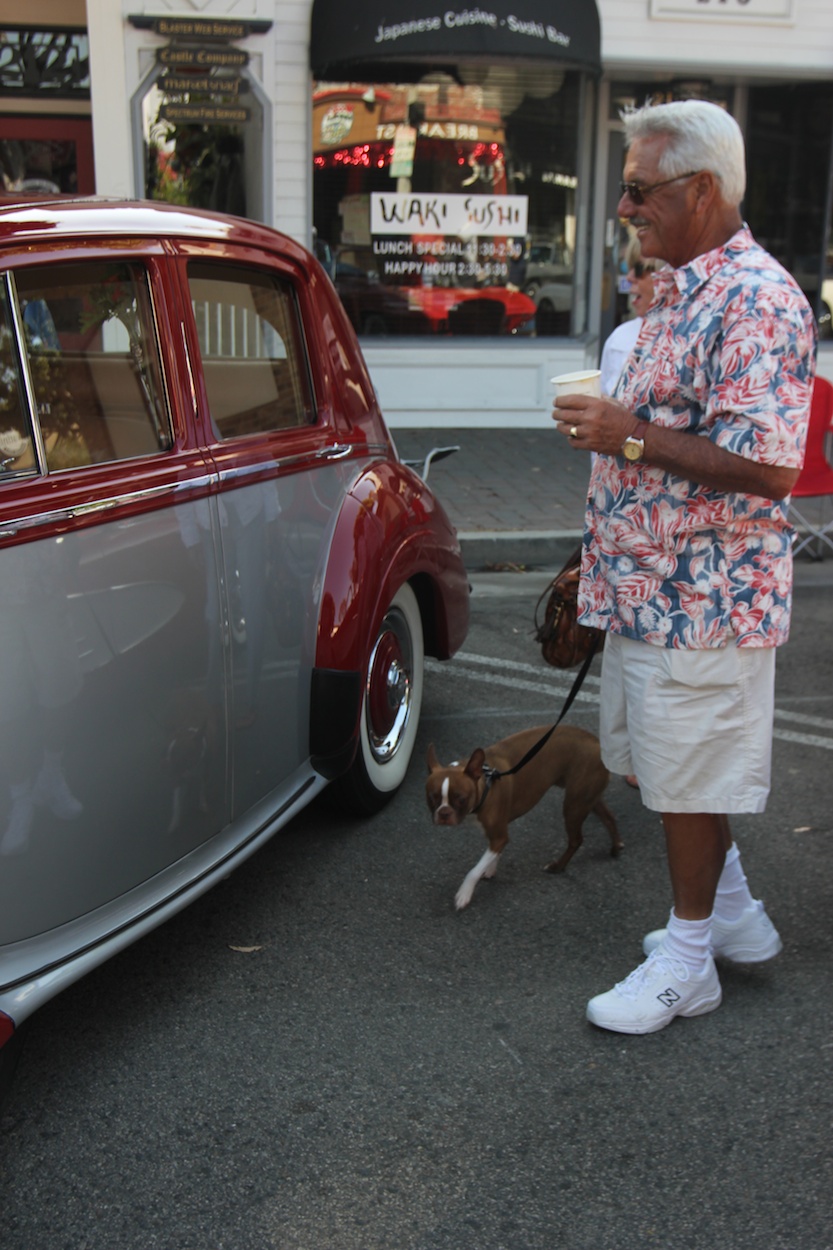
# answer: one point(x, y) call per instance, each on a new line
point(816, 478)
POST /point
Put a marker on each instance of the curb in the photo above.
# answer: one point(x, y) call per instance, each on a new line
point(528, 549)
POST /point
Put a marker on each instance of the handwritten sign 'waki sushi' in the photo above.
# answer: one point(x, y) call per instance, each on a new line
point(464, 216)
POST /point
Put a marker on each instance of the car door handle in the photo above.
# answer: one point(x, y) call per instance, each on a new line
point(337, 451)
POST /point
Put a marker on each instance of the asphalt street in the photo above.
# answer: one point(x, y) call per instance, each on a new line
point(321, 1054)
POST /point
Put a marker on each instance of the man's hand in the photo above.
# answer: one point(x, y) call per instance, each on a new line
point(602, 425)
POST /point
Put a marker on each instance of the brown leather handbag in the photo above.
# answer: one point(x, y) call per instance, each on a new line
point(565, 643)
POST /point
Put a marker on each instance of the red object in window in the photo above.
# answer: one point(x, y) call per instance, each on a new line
point(436, 302)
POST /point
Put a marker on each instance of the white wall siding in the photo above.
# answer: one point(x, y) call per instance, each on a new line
point(712, 42)
point(292, 104)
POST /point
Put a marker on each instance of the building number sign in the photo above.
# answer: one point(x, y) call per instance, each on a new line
point(737, 10)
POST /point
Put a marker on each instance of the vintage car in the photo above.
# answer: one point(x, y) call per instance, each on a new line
point(217, 579)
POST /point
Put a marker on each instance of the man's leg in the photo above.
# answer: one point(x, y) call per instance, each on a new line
point(696, 843)
point(740, 928)
point(679, 978)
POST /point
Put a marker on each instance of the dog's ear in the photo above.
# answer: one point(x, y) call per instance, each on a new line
point(474, 768)
point(433, 762)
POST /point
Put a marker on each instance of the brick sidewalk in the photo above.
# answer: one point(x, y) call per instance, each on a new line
point(504, 480)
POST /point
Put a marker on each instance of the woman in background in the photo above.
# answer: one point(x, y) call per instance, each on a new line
point(620, 343)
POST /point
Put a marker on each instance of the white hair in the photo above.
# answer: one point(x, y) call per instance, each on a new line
point(701, 136)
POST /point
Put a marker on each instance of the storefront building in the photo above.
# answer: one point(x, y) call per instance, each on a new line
point(455, 167)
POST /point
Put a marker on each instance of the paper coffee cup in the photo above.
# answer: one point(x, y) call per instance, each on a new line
point(585, 382)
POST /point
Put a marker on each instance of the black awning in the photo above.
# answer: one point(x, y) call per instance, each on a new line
point(399, 40)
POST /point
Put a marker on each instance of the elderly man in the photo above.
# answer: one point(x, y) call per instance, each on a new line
point(687, 555)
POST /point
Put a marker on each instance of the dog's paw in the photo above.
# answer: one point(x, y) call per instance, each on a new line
point(555, 865)
point(463, 897)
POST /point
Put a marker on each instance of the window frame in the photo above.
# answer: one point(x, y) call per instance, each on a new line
point(279, 281)
point(162, 423)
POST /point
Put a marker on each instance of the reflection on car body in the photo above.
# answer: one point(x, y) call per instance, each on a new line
point(217, 578)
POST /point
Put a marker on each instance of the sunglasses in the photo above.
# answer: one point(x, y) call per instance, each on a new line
point(640, 269)
point(636, 193)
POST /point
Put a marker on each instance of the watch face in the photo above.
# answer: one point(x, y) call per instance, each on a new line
point(632, 448)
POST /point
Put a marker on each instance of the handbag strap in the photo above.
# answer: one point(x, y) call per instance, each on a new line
point(537, 746)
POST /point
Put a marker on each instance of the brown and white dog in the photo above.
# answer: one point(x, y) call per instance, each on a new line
point(570, 759)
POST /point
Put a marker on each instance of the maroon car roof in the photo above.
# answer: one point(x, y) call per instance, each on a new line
point(98, 216)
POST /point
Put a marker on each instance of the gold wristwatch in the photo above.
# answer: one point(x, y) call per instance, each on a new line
point(633, 447)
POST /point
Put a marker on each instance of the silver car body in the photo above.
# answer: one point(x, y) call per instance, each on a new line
point(203, 523)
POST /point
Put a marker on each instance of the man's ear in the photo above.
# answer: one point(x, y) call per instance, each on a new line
point(707, 189)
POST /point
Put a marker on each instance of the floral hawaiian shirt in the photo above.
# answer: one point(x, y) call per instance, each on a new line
point(726, 351)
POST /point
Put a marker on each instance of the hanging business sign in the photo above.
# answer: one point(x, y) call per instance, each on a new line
point(199, 28)
point(177, 84)
point(204, 114)
point(723, 10)
point(216, 56)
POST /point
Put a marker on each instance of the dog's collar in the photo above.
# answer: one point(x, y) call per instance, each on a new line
point(490, 775)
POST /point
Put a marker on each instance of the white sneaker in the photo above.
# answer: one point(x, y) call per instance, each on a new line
point(654, 993)
point(750, 940)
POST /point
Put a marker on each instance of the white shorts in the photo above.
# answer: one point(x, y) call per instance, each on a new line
point(695, 727)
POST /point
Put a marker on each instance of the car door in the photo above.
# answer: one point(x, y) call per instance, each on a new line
point(281, 486)
point(112, 675)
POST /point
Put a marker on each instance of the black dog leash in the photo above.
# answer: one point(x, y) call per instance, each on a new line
point(492, 774)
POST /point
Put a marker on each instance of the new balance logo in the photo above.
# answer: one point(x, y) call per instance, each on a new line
point(668, 997)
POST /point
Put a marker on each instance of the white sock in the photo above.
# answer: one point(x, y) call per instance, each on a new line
point(733, 896)
point(689, 941)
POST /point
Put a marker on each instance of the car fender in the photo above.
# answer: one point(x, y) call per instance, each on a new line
point(390, 530)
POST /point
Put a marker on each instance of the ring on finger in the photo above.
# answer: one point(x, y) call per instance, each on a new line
point(573, 431)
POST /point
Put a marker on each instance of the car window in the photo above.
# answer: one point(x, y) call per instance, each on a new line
point(16, 453)
point(251, 345)
point(93, 361)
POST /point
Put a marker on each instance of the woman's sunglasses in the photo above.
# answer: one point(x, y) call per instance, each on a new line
point(640, 269)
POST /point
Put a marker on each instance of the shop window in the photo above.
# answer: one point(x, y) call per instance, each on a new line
point(789, 156)
point(448, 207)
point(46, 155)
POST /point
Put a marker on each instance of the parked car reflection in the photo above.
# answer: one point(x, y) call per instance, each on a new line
point(376, 309)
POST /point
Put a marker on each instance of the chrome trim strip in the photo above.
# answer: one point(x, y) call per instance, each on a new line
point(192, 385)
point(143, 920)
point(335, 451)
point(9, 528)
point(28, 384)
